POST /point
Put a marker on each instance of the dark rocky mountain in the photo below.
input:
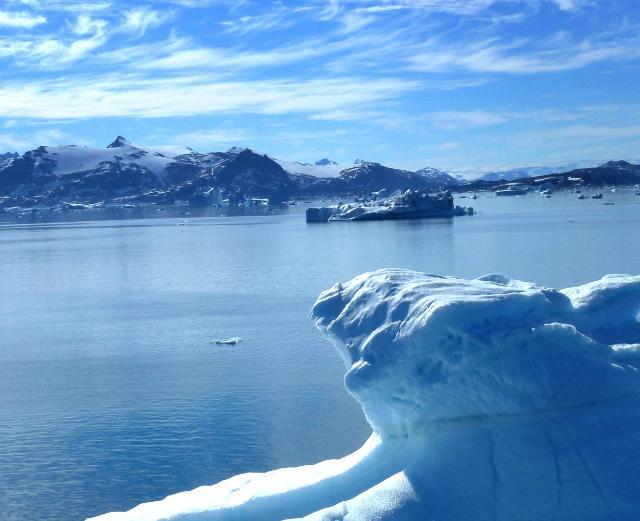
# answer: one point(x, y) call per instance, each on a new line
point(238, 173)
point(120, 142)
point(369, 177)
point(363, 179)
point(613, 173)
point(122, 170)
point(533, 171)
point(253, 174)
point(610, 174)
point(8, 155)
point(324, 161)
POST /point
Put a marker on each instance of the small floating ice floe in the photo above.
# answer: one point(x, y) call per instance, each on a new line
point(512, 190)
point(597, 195)
point(226, 341)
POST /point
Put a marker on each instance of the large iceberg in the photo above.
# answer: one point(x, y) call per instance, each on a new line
point(411, 204)
point(489, 399)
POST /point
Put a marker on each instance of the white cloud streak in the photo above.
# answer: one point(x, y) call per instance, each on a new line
point(131, 96)
point(140, 19)
point(452, 120)
point(64, 6)
point(518, 57)
point(20, 19)
point(212, 137)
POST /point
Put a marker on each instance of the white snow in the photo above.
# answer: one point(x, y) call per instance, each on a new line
point(413, 204)
point(329, 170)
point(170, 151)
point(70, 159)
point(490, 399)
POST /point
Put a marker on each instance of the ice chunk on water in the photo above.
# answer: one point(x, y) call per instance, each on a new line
point(490, 399)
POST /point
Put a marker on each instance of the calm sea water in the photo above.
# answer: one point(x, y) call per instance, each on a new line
point(110, 392)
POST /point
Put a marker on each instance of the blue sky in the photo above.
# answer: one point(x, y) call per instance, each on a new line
point(454, 84)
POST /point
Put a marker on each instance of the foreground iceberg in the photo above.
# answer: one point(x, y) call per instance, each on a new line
point(490, 399)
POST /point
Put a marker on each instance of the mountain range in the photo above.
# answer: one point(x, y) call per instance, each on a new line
point(534, 171)
point(125, 172)
point(612, 173)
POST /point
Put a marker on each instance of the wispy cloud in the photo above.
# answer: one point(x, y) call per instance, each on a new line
point(219, 58)
point(20, 19)
point(14, 142)
point(416, 71)
point(451, 120)
point(583, 132)
point(571, 5)
point(269, 20)
point(520, 56)
point(52, 51)
point(135, 96)
point(563, 120)
point(213, 138)
point(140, 19)
point(454, 7)
point(76, 7)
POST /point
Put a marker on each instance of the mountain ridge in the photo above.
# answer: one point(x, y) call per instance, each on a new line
point(124, 171)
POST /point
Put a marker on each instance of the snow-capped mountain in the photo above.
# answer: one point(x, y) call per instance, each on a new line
point(437, 176)
point(534, 171)
point(369, 176)
point(50, 174)
point(610, 174)
point(319, 169)
point(124, 169)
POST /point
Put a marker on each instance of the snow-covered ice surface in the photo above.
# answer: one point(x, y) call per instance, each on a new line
point(490, 399)
point(411, 204)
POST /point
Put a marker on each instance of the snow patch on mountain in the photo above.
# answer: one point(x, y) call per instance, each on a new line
point(437, 176)
point(170, 151)
point(69, 159)
point(320, 169)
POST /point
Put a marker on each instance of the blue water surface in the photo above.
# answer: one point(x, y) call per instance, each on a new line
point(110, 392)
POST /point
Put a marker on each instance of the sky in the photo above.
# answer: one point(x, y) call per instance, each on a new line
point(452, 84)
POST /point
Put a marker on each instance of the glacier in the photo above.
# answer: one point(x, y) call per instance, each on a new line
point(489, 399)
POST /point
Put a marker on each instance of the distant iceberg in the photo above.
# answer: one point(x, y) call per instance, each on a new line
point(489, 399)
point(410, 204)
